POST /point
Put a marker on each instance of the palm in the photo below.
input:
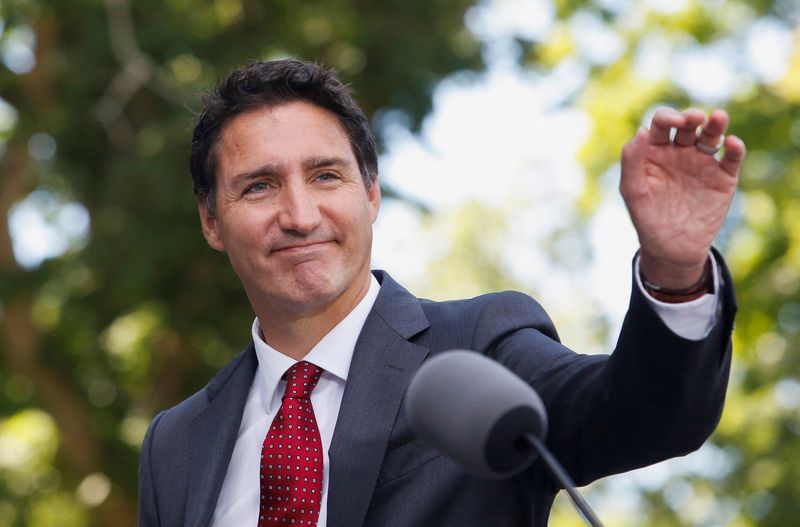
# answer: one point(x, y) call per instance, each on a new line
point(676, 194)
point(685, 199)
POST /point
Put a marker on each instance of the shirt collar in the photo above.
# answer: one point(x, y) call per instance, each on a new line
point(332, 353)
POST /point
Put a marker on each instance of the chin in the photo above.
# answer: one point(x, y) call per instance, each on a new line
point(306, 301)
point(310, 287)
point(319, 291)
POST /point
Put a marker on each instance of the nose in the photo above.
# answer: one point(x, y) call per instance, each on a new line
point(298, 209)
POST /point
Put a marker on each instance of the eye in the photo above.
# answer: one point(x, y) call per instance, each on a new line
point(260, 186)
point(328, 176)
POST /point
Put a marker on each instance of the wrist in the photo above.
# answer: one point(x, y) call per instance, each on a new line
point(703, 285)
point(675, 272)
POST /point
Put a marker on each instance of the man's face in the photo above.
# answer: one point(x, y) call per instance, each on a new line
point(292, 210)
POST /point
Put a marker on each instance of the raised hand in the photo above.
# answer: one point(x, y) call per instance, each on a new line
point(678, 192)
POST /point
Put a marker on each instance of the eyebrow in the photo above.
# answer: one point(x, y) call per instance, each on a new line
point(266, 170)
point(321, 162)
point(309, 164)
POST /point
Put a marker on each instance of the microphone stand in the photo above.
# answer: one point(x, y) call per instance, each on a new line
point(561, 475)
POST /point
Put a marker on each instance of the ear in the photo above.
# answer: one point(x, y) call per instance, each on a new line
point(374, 198)
point(208, 220)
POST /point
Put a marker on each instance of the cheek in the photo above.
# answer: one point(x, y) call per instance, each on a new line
point(240, 235)
point(245, 232)
point(363, 227)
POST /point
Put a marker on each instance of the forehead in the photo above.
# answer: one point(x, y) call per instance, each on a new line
point(284, 135)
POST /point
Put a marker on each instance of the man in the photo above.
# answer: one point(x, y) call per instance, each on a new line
point(305, 426)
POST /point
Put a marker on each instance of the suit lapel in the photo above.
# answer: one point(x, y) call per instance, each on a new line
point(213, 436)
point(382, 366)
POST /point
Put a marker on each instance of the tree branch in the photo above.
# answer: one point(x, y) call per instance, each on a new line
point(137, 70)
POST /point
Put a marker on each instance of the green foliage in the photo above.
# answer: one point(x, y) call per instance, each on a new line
point(141, 313)
point(473, 263)
point(756, 446)
point(759, 430)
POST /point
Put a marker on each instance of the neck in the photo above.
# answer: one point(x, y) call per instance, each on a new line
point(296, 334)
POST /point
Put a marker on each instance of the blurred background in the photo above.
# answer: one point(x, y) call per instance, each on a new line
point(500, 123)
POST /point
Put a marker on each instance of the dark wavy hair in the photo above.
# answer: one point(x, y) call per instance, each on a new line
point(265, 84)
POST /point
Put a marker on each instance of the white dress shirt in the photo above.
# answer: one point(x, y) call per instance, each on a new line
point(691, 320)
point(238, 502)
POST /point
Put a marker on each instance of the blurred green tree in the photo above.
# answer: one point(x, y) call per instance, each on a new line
point(634, 57)
point(758, 434)
point(96, 111)
point(95, 118)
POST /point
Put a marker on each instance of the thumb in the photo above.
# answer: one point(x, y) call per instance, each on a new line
point(633, 156)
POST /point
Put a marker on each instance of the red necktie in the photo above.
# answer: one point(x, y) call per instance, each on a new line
point(291, 458)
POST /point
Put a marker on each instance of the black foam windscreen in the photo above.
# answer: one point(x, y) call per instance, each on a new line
point(476, 411)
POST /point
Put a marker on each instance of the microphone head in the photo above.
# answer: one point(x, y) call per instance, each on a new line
point(476, 411)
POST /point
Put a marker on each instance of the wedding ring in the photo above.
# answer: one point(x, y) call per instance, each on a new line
point(711, 150)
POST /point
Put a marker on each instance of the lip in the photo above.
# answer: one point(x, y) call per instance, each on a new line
point(301, 248)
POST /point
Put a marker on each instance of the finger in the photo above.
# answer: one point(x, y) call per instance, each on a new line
point(663, 120)
point(712, 130)
point(734, 155)
point(633, 154)
point(686, 135)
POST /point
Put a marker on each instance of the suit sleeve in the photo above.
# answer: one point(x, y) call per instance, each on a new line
point(148, 510)
point(656, 396)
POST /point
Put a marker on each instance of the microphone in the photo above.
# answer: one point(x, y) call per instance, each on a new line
point(476, 411)
point(485, 417)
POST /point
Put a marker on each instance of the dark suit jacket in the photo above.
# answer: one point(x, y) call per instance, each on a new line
point(655, 397)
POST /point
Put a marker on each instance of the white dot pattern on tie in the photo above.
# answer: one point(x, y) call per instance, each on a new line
point(291, 456)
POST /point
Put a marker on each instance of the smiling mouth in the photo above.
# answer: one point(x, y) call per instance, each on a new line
point(301, 247)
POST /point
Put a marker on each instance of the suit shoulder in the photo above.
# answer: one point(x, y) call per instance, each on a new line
point(185, 411)
point(168, 432)
point(499, 302)
point(172, 421)
point(492, 313)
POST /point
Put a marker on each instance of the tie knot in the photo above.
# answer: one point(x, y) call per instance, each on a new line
point(301, 380)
